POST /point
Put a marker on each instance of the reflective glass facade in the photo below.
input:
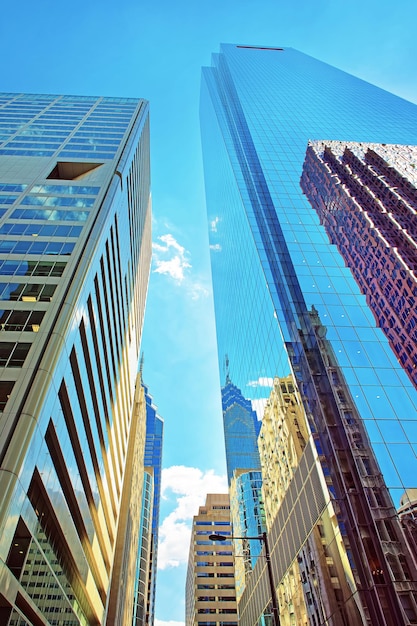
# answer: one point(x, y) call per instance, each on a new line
point(74, 267)
point(241, 430)
point(153, 461)
point(366, 198)
point(286, 304)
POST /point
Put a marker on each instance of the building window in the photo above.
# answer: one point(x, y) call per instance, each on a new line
point(6, 387)
point(13, 354)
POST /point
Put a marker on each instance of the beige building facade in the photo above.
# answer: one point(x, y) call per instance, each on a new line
point(210, 585)
point(319, 581)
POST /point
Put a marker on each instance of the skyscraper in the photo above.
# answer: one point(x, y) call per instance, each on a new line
point(286, 305)
point(153, 461)
point(241, 430)
point(210, 586)
point(74, 263)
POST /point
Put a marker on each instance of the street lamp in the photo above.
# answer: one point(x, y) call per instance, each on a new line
point(263, 538)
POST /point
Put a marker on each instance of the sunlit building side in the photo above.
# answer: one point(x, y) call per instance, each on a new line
point(319, 587)
point(210, 593)
point(75, 249)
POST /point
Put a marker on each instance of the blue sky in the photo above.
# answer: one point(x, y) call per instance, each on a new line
point(155, 49)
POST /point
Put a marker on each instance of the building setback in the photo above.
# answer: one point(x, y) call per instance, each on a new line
point(287, 306)
point(210, 593)
point(75, 247)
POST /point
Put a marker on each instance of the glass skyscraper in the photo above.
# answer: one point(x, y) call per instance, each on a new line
point(286, 305)
point(75, 248)
point(147, 558)
point(241, 430)
point(153, 461)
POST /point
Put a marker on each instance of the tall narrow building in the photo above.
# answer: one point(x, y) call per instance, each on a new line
point(241, 430)
point(153, 461)
point(287, 306)
point(210, 594)
point(75, 247)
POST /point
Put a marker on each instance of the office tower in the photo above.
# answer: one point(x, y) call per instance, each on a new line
point(153, 461)
point(286, 305)
point(241, 429)
point(74, 263)
point(143, 577)
point(366, 198)
point(146, 567)
point(210, 596)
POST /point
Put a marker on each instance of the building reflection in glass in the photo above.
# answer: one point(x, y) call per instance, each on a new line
point(286, 304)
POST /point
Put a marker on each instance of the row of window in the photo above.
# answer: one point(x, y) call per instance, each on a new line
point(205, 586)
point(13, 246)
point(30, 292)
point(212, 553)
point(210, 523)
point(32, 268)
point(217, 623)
point(221, 611)
point(209, 532)
point(70, 189)
point(28, 321)
point(216, 598)
point(13, 354)
point(73, 201)
point(53, 215)
point(85, 155)
point(210, 543)
point(15, 152)
point(212, 575)
point(12, 187)
point(8, 199)
point(214, 563)
point(47, 230)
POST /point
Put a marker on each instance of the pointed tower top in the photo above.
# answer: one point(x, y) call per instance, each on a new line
point(226, 363)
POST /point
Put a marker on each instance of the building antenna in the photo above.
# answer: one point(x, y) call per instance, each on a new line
point(226, 363)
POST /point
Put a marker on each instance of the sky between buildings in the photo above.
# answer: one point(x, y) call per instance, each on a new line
point(155, 49)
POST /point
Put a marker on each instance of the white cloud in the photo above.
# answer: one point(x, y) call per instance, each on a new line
point(170, 258)
point(261, 382)
point(258, 406)
point(198, 290)
point(160, 622)
point(189, 485)
point(216, 247)
point(213, 224)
